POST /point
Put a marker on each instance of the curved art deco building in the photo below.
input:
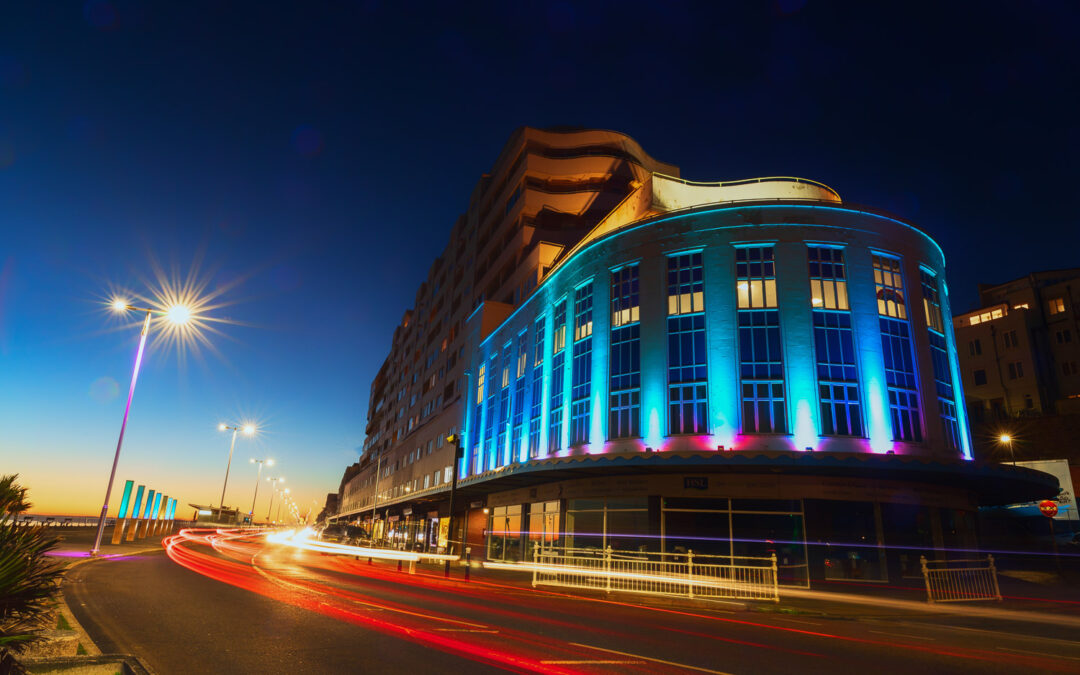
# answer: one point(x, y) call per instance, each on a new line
point(732, 368)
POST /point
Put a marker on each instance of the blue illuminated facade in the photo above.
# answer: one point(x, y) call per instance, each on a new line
point(779, 327)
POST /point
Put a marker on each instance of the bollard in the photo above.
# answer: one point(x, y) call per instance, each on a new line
point(468, 563)
point(446, 570)
point(412, 567)
point(399, 565)
point(369, 560)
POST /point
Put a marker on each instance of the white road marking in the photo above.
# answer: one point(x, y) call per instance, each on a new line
point(585, 662)
point(1043, 654)
point(649, 658)
point(808, 623)
point(465, 630)
point(891, 634)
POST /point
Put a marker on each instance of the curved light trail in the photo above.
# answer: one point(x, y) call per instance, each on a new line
point(511, 627)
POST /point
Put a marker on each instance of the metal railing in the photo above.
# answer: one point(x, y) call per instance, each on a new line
point(672, 574)
point(960, 580)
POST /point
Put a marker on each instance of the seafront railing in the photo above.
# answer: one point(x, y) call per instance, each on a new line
point(960, 580)
point(670, 574)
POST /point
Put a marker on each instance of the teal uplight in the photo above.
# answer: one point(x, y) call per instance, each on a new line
point(655, 434)
point(157, 505)
point(125, 499)
point(806, 435)
point(880, 440)
point(146, 509)
point(138, 501)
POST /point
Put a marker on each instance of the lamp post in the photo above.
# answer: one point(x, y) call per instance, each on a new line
point(258, 477)
point(454, 440)
point(275, 481)
point(178, 315)
point(248, 430)
point(284, 498)
point(1007, 441)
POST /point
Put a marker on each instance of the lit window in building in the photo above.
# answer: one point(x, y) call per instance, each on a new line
point(687, 366)
point(489, 449)
point(755, 277)
point(931, 302)
point(1022, 305)
point(761, 368)
point(624, 418)
point(834, 348)
point(1056, 306)
point(624, 296)
point(583, 312)
point(558, 374)
point(581, 367)
point(828, 280)
point(517, 422)
point(499, 456)
point(889, 284)
point(685, 286)
point(537, 388)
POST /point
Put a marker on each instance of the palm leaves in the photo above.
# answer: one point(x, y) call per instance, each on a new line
point(29, 579)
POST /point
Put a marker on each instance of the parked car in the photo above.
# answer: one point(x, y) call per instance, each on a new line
point(350, 535)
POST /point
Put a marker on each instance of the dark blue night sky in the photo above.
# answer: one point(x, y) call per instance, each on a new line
point(313, 157)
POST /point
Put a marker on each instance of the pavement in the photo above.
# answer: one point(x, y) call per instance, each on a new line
point(252, 607)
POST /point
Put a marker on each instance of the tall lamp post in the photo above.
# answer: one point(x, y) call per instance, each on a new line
point(177, 315)
point(274, 481)
point(1007, 441)
point(454, 440)
point(258, 477)
point(284, 498)
point(248, 430)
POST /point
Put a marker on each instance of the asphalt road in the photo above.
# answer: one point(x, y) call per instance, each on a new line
point(238, 606)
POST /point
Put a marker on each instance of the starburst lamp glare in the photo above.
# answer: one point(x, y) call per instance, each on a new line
point(1005, 438)
point(178, 314)
point(119, 305)
point(249, 429)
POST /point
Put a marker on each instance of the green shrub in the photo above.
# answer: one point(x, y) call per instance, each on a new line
point(29, 578)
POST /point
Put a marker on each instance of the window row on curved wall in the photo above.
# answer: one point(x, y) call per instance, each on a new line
point(537, 395)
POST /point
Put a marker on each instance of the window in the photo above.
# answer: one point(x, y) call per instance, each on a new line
point(480, 384)
point(980, 377)
point(581, 367)
point(761, 370)
point(583, 300)
point(828, 281)
point(931, 302)
point(624, 296)
point(889, 284)
point(756, 277)
point(624, 417)
point(1056, 306)
point(558, 375)
point(687, 371)
point(500, 452)
point(975, 347)
point(1009, 339)
point(939, 355)
point(900, 378)
point(517, 422)
point(834, 349)
point(685, 286)
point(1064, 336)
point(1016, 369)
point(537, 388)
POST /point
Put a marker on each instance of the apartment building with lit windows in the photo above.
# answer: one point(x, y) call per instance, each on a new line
point(734, 368)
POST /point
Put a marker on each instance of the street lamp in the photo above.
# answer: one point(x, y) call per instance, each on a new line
point(1007, 441)
point(284, 498)
point(258, 477)
point(177, 315)
point(275, 481)
point(249, 430)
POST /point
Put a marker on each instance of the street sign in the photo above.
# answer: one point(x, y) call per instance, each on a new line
point(1048, 507)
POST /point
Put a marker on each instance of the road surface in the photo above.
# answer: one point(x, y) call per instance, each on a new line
point(232, 604)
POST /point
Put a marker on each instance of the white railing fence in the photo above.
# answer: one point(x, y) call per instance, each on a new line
point(960, 580)
point(672, 574)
